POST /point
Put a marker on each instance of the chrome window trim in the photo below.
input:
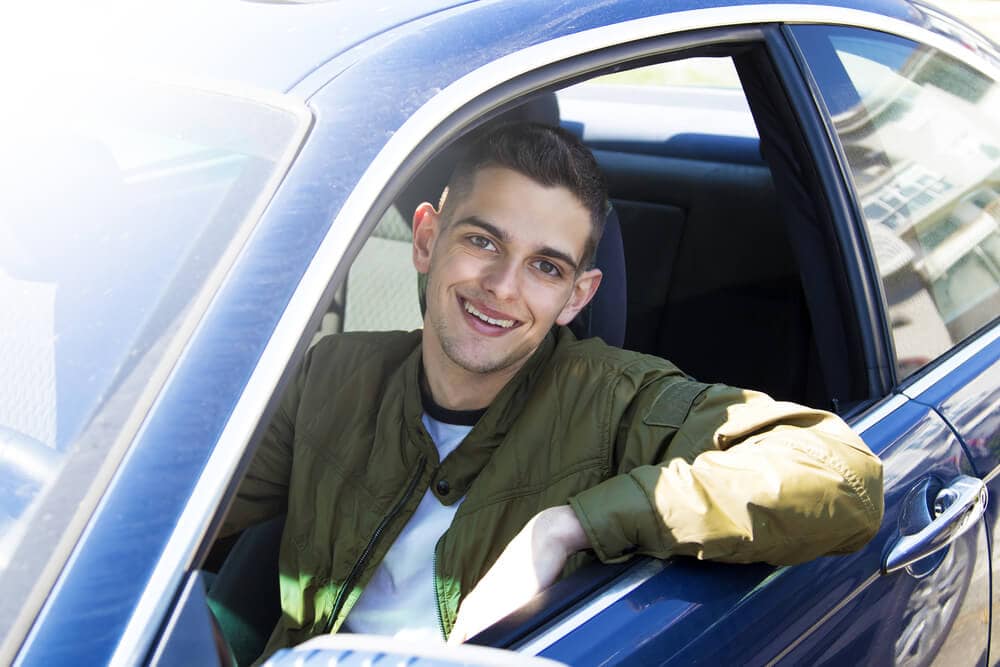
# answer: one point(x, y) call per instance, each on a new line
point(201, 506)
point(879, 412)
point(628, 582)
point(959, 356)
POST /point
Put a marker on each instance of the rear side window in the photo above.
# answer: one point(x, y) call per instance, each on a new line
point(921, 133)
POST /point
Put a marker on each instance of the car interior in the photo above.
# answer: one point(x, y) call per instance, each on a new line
point(716, 265)
point(719, 255)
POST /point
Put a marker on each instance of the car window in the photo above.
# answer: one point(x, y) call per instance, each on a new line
point(689, 73)
point(921, 133)
point(704, 234)
point(654, 108)
point(98, 278)
point(380, 293)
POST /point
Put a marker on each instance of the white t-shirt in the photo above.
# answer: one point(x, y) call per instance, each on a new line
point(400, 599)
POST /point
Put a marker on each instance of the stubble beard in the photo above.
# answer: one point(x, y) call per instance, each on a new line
point(469, 362)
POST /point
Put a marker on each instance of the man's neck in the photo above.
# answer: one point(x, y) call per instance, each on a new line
point(455, 388)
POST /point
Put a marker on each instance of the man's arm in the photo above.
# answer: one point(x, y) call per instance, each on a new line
point(263, 493)
point(744, 479)
point(738, 477)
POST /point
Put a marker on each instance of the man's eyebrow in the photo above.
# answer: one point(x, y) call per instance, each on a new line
point(545, 251)
point(473, 221)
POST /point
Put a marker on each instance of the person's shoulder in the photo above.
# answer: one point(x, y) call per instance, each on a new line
point(381, 347)
point(598, 354)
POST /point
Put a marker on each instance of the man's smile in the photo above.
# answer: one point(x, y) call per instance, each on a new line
point(481, 316)
point(501, 272)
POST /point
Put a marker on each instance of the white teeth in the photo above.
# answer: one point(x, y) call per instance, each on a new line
point(506, 324)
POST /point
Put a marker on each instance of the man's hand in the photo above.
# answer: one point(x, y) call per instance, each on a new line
point(529, 564)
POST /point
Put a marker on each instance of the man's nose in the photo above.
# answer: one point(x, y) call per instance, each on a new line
point(502, 280)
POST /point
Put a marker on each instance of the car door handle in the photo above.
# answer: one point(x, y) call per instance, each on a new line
point(934, 517)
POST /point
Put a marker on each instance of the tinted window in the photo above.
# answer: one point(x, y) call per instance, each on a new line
point(921, 132)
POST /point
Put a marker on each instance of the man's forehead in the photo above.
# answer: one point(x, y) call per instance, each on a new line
point(525, 210)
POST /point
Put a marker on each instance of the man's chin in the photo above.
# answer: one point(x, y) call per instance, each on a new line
point(482, 362)
point(481, 366)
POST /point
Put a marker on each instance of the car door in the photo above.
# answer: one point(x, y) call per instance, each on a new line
point(973, 409)
point(863, 608)
point(920, 130)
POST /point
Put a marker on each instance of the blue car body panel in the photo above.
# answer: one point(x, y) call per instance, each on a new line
point(969, 398)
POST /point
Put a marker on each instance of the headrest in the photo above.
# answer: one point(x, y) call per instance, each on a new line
point(606, 314)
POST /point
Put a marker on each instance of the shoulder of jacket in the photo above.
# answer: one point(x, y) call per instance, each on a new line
point(351, 348)
point(604, 357)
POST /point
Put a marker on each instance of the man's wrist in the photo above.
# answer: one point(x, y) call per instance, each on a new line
point(563, 530)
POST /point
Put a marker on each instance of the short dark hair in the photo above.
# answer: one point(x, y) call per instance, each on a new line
point(550, 156)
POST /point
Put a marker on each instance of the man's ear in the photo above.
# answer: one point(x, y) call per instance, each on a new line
point(584, 289)
point(426, 224)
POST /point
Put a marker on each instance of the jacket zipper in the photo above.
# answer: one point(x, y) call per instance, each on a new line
point(372, 543)
point(437, 597)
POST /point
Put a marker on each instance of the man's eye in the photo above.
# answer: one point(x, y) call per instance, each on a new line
point(481, 242)
point(548, 268)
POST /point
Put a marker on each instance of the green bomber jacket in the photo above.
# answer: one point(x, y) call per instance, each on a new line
point(651, 461)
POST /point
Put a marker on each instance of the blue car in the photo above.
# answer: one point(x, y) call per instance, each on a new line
point(808, 197)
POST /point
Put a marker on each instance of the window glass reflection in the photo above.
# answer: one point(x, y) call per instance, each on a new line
point(922, 138)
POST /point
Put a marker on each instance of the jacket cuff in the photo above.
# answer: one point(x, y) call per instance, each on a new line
point(618, 519)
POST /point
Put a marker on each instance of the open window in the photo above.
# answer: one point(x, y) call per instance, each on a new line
point(730, 259)
point(732, 265)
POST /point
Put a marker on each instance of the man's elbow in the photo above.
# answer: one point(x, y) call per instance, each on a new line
point(865, 499)
point(853, 501)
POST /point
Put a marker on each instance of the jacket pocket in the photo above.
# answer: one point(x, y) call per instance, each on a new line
point(671, 407)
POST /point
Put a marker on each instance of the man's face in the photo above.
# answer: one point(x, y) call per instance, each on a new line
point(502, 270)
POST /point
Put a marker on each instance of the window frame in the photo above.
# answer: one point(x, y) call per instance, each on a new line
point(528, 627)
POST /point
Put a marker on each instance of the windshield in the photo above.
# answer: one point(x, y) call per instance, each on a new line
point(120, 207)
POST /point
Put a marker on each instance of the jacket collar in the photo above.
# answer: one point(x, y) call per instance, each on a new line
point(464, 464)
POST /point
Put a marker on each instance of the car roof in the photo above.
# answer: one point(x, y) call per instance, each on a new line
point(263, 44)
point(274, 44)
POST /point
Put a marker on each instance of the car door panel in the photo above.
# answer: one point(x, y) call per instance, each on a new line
point(969, 398)
point(835, 610)
point(918, 133)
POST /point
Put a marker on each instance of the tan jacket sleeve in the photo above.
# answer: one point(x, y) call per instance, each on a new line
point(727, 474)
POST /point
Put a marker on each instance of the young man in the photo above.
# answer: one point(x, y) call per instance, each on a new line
point(436, 480)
